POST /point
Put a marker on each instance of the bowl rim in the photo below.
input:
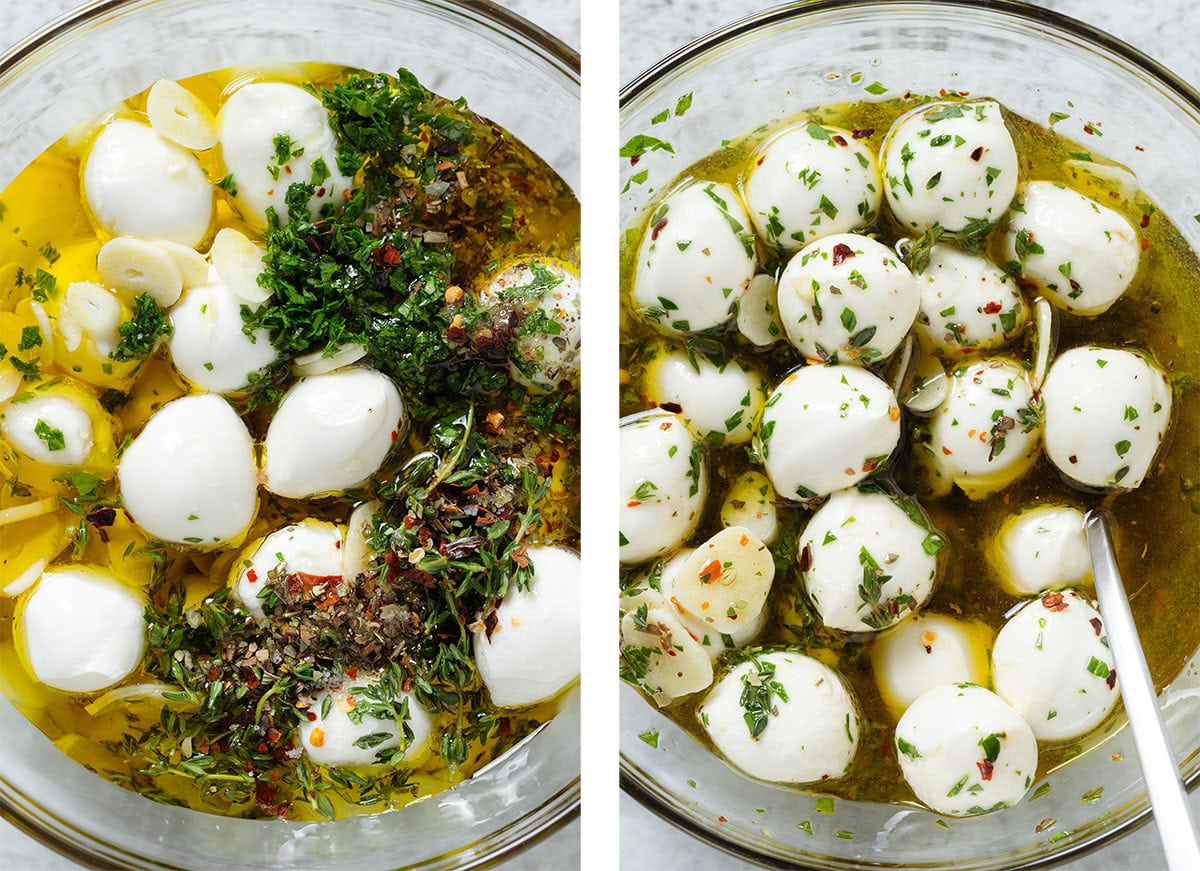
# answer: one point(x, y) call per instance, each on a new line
point(558, 809)
point(633, 781)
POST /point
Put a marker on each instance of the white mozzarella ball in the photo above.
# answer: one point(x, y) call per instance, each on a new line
point(949, 164)
point(696, 260)
point(1107, 412)
point(330, 738)
point(658, 652)
point(723, 584)
point(138, 184)
point(809, 736)
point(310, 547)
point(51, 429)
point(543, 356)
point(251, 124)
point(663, 485)
point(858, 535)
point(967, 304)
point(208, 346)
point(964, 751)
point(845, 298)
point(811, 181)
point(987, 432)
point(1081, 255)
point(750, 502)
point(81, 629)
point(1041, 549)
point(528, 650)
point(331, 432)
point(190, 477)
point(1052, 663)
point(825, 428)
point(717, 402)
point(926, 652)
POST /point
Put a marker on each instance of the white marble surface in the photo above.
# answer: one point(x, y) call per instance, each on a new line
point(19, 852)
point(1167, 30)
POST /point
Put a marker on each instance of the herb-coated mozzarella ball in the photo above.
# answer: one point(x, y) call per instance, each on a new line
point(1041, 549)
point(53, 428)
point(190, 477)
point(750, 502)
point(723, 584)
point(527, 650)
point(138, 184)
point(311, 547)
point(810, 181)
point(81, 629)
point(964, 751)
point(967, 304)
point(342, 726)
point(658, 653)
point(1081, 255)
point(273, 135)
point(1051, 662)
point(717, 402)
point(331, 432)
point(845, 298)
point(825, 428)
point(663, 485)
point(926, 652)
point(987, 432)
point(696, 260)
point(544, 294)
point(208, 345)
point(950, 164)
point(783, 717)
point(736, 633)
point(868, 560)
point(1107, 412)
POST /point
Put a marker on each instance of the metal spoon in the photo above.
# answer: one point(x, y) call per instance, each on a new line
point(1176, 827)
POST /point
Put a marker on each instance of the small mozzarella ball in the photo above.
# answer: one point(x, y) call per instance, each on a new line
point(138, 184)
point(1081, 255)
point(810, 736)
point(927, 652)
point(331, 432)
point(847, 298)
point(811, 181)
point(545, 295)
point(988, 430)
point(208, 345)
point(758, 312)
point(1051, 662)
point(950, 164)
point(659, 652)
point(714, 643)
point(967, 304)
point(696, 260)
point(527, 650)
point(1041, 549)
point(856, 533)
point(331, 739)
point(825, 428)
point(190, 477)
point(1107, 412)
point(255, 124)
point(663, 485)
point(751, 503)
point(964, 751)
point(723, 584)
point(54, 429)
point(720, 403)
point(310, 547)
point(81, 629)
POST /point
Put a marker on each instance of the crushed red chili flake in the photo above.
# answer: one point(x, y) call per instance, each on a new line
point(977, 154)
point(839, 139)
point(658, 228)
point(1054, 602)
point(1111, 680)
point(865, 133)
point(841, 252)
point(992, 308)
point(1096, 624)
point(673, 407)
point(985, 769)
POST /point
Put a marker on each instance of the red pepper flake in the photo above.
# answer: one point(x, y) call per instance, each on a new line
point(722, 820)
point(711, 572)
point(252, 576)
point(805, 558)
point(1096, 624)
point(665, 425)
point(839, 139)
point(946, 451)
point(632, 503)
point(1145, 244)
point(1145, 221)
point(992, 308)
point(1072, 459)
point(977, 154)
point(312, 717)
point(841, 251)
point(1054, 602)
point(759, 162)
point(658, 228)
point(1138, 148)
point(633, 161)
point(273, 734)
point(673, 407)
point(1111, 680)
point(985, 770)
point(865, 133)
point(869, 466)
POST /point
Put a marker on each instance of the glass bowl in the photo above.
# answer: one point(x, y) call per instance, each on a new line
point(509, 71)
point(803, 55)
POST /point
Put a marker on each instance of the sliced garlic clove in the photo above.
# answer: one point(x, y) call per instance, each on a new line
point(356, 558)
point(69, 329)
point(140, 267)
point(1045, 340)
point(10, 381)
point(193, 267)
point(96, 311)
point(676, 664)
point(758, 315)
point(725, 581)
point(178, 115)
point(929, 388)
point(239, 263)
point(317, 363)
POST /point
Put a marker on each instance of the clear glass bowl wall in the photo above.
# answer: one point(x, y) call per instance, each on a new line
point(774, 65)
point(509, 71)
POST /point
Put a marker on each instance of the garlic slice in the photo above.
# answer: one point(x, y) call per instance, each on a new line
point(178, 115)
point(140, 267)
point(317, 363)
point(239, 263)
point(758, 314)
point(96, 311)
point(193, 268)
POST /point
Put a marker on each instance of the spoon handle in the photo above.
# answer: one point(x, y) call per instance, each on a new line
point(1176, 827)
